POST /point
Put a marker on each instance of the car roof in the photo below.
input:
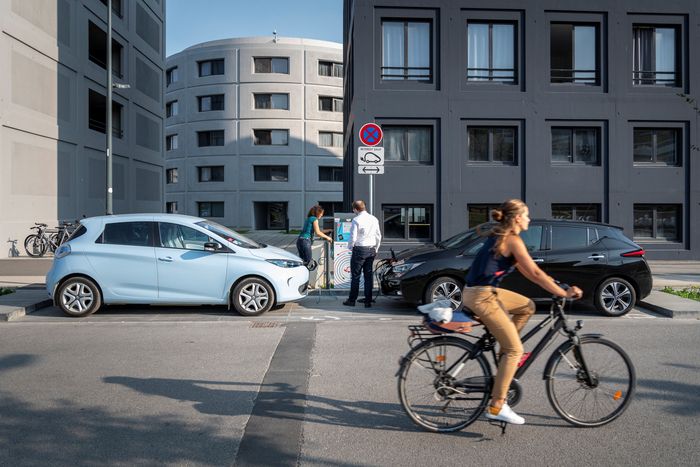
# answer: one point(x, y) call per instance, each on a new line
point(157, 216)
point(572, 222)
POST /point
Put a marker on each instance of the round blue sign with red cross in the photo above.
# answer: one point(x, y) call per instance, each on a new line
point(371, 134)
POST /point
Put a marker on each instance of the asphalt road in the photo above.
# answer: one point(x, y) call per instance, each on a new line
point(309, 384)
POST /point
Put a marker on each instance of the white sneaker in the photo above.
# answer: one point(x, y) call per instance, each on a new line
point(505, 415)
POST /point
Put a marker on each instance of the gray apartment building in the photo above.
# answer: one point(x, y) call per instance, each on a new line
point(53, 110)
point(576, 107)
point(254, 130)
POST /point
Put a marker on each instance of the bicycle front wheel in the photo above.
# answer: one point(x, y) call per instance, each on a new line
point(436, 400)
point(35, 245)
point(596, 396)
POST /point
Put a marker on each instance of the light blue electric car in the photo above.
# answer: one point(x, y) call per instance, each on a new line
point(170, 259)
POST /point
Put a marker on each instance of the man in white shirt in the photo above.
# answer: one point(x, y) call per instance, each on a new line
point(365, 238)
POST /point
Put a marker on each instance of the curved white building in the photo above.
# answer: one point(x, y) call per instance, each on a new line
point(254, 130)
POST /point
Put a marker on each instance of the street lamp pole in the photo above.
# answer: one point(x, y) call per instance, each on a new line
point(109, 209)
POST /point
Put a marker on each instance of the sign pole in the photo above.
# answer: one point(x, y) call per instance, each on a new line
point(371, 194)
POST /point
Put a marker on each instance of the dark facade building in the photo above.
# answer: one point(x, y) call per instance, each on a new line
point(583, 110)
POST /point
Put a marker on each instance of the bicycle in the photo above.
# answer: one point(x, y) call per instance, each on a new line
point(590, 380)
point(45, 240)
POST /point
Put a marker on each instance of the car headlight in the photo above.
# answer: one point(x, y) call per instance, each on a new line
point(63, 250)
point(401, 269)
point(285, 263)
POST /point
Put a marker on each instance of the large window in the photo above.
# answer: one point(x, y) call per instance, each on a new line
point(333, 69)
point(210, 208)
point(660, 146)
point(479, 213)
point(116, 6)
point(271, 173)
point(272, 101)
point(171, 207)
point(577, 212)
point(491, 52)
point(330, 139)
point(171, 176)
point(576, 145)
point(210, 138)
point(492, 144)
point(271, 137)
point(97, 49)
point(657, 222)
point(408, 143)
point(656, 56)
point(182, 237)
point(128, 233)
point(330, 174)
point(172, 108)
point(406, 50)
point(210, 103)
point(331, 207)
point(330, 104)
point(211, 173)
point(211, 67)
point(172, 75)
point(566, 237)
point(271, 65)
point(408, 222)
point(171, 142)
point(97, 114)
point(574, 54)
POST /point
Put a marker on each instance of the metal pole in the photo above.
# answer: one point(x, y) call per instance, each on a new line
point(371, 194)
point(109, 109)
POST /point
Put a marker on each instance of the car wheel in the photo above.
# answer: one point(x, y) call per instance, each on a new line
point(253, 297)
point(615, 297)
point(445, 288)
point(79, 297)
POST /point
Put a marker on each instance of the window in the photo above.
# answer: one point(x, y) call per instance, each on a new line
point(406, 50)
point(271, 101)
point(566, 237)
point(211, 173)
point(532, 237)
point(97, 118)
point(211, 67)
point(271, 173)
point(97, 49)
point(172, 108)
point(171, 207)
point(330, 104)
point(210, 103)
point(491, 52)
point(574, 54)
point(330, 139)
point(577, 212)
point(182, 237)
point(171, 76)
point(331, 207)
point(116, 6)
point(656, 60)
point(210, 208)
point(128, 233)
point(332, 69)
point(171, 142)
point(330, 174)
point(408, 143)
point(657, 146)
point(210, 138)
point(657, 222)
point(480, 213)
point(491, 144)
point(171, 176)
point(576, 145)
point(271, 65)
point(408, 222)
point(271, 137)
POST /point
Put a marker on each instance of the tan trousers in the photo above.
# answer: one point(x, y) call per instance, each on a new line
point(492, 306)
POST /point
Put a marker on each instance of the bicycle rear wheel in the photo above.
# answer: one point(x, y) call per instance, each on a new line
point(433, 399)
point(35, 245)
point(590, 403)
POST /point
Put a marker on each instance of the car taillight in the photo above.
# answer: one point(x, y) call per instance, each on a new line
point(634, 253)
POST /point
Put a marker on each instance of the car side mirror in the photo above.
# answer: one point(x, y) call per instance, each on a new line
point(212, 246)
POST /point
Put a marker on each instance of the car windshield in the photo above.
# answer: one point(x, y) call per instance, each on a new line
point(459, 240)
point(230, 235)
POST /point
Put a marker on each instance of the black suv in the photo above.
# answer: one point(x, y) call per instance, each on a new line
point(609, 267)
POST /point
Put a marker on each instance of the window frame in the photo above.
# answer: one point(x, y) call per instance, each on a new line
point(256, 139)
point(169, 106)
point(268, 176)
point(412, 123)
point(601, 142)
point(271, 58)
point(487, 206)
point(518, 146)
point(171, 175)
point(101, 238)
point(678, 71)
point(596, 72)
point(270, 94)
point(210, 139)
point(169, 74)
point(117, 116)
point(169, 205)
point(335, 101)
point(333, 66)
point(211, 97)
point(598, 207)
point(490, 80)
point(216, 65)
point(211, 204)
point(169, 142)
point(680, 233)
point(490, 150)
point(333, 135)
point(117, 65)
point(680, 145)
point(336, 172)
point(407, 237)
point(211, 168)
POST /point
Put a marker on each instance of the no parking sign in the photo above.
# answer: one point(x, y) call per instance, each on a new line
point(371, 134)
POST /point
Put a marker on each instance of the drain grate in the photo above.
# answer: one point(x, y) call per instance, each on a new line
point(265, 324)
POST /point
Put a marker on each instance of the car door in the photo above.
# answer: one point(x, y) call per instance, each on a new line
point(534, 242)
point(575, 257)
point(187, 273)
point(124, 261)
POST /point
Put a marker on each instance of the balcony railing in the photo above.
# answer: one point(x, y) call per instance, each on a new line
point(575, 76)
point(477, 74)
point(407, 73)
point(101, 126)
point(654, 78)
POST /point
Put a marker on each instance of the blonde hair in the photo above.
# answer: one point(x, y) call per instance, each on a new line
point(504, 216)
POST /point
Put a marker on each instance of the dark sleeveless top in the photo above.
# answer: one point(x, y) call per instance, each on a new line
point(487, 268)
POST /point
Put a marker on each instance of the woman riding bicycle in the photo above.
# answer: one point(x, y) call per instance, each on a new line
point(502, 252)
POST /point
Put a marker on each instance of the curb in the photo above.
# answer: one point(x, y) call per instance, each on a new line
point(23, 311)
point(681, 314)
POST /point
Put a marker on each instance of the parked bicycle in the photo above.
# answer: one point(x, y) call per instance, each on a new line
point(445, 380)
point(47, 240)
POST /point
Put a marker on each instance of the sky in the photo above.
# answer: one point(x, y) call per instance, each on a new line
point(190, 22)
